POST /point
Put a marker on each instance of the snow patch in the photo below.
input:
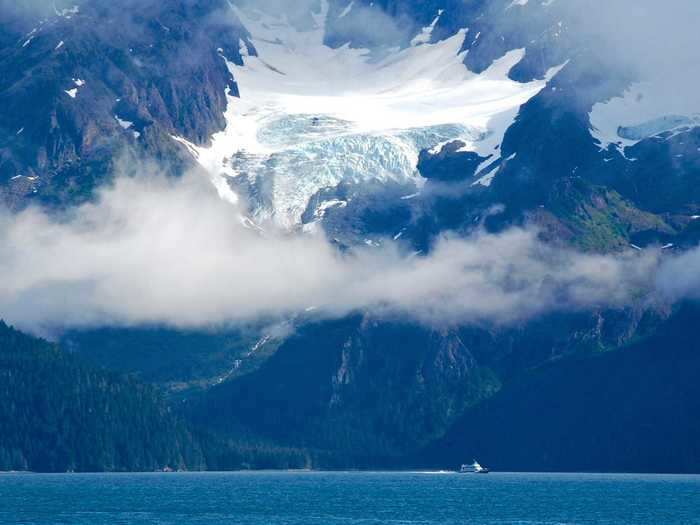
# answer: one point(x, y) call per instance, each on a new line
point(72, 93)
point(320, 212)
point(347, 10)
point(68, 12)
point(647, 109)
point(125, 124)
point(427, 32)
point(520, 3)
point(487, 179)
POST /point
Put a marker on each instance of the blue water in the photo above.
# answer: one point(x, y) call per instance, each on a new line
point(348, 498)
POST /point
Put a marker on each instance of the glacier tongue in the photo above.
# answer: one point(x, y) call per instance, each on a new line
point(311, 117)
point(281, 183)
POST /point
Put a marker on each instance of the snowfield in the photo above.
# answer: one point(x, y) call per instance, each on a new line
point(667, 102)
point(310, 117)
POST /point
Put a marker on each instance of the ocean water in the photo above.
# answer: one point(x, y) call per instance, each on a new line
point(292, 498)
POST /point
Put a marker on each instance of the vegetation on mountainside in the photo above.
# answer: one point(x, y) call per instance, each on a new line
point(364, 392)
point(58, 414)
point(633, 410)
point(593, 218)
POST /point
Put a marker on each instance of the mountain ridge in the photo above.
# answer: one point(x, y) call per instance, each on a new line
point(375, 126)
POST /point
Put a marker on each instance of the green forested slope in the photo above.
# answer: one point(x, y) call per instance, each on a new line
point(57, 414)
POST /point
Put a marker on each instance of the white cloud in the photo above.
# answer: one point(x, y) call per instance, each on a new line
point(647, 36)
point(680, 277)
point(157, 250)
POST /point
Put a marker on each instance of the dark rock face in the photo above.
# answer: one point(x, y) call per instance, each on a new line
point(373, 393)
point(361, 389)
point(372, 210)
point(634, 410)
point(85, 86)
point(449, 164)
point(661, 173)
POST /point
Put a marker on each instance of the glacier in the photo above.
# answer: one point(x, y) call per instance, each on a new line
point(310, 117)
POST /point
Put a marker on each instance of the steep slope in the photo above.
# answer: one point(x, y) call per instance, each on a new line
point(369, 392)
point(181, 362)
point(362, 390)
point(88, 83)
point(635, 410)
point(57, 414)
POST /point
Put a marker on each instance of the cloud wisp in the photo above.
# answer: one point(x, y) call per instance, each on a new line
point(157, 250)
point(649, 37)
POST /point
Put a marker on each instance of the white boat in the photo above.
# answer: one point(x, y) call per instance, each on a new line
point(474, 468)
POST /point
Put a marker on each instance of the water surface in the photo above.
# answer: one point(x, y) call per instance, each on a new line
point(291, 498)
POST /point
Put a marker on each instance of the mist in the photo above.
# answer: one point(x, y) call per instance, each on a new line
point(647, 36)
point(35, 7)
point(353, 22)
point(157, 250)
point(647, 43)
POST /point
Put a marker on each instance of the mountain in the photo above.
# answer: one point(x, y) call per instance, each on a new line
point(139, 79)
point(88, 83)
point(361, 390)
point(370, 392)
point(632, 410)
point(180, 361)
point(378, 127)
point(58, 414)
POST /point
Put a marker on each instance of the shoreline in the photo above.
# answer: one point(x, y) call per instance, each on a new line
point(344, 471)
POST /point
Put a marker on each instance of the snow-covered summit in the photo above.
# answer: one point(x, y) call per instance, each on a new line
point(310, 116)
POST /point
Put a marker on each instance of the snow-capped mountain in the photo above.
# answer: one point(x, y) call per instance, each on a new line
point(299, 109)
point(310, 117)
point(382, 127)
point(321, 121)
point(84, 82)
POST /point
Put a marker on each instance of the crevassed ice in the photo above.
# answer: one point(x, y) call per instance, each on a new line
point(281, 183)
point(310, 117)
